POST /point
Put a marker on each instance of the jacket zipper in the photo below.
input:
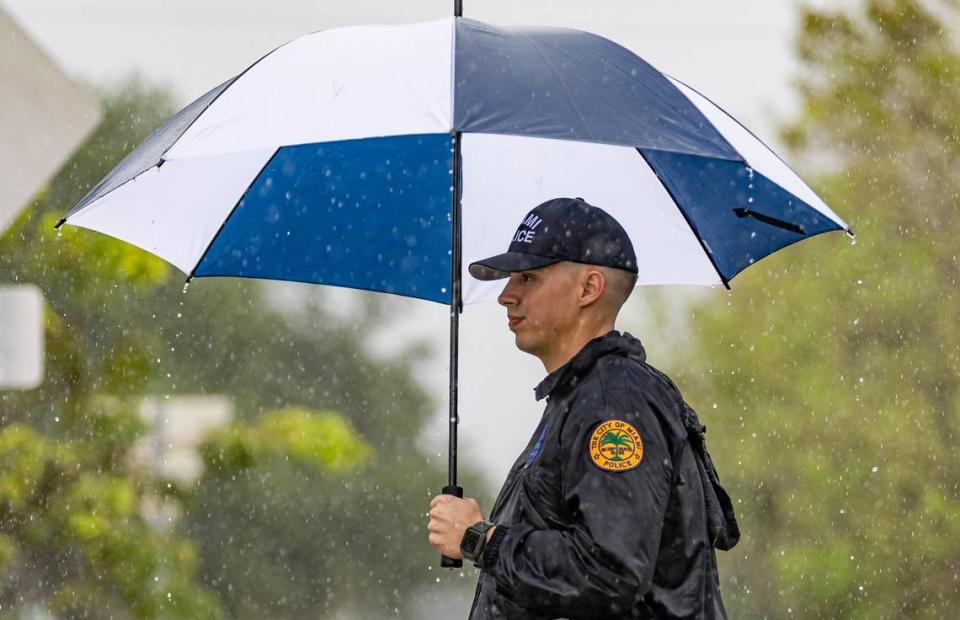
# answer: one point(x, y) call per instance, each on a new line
point(516, 472)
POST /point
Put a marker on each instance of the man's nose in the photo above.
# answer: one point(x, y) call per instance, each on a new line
point(507, 296)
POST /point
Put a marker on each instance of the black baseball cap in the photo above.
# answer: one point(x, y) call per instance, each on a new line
point(557, 230)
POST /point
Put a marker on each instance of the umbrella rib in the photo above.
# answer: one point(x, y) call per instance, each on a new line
point(693, 227)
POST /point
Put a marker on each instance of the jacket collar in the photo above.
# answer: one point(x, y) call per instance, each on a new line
point(613, 342)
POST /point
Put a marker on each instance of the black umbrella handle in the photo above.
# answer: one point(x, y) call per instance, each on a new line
point(446, 562)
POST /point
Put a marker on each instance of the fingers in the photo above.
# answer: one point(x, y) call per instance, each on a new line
point(447, 499)
point(449, 515)
point(441, 540)
point(439, 512)
point(442, 499)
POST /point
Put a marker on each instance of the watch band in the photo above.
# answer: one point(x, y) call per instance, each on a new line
point(474, 540)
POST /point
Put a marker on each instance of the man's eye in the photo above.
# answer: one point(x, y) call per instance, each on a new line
point(525, 277)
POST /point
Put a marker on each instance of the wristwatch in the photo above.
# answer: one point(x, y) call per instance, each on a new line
point(474, 540)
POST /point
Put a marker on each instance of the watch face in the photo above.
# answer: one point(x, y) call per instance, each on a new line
point(469, 542)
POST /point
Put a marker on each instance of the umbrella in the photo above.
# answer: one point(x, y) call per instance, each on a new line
point(386, 157)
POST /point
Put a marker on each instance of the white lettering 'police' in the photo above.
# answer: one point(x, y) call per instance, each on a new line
point(527, 229)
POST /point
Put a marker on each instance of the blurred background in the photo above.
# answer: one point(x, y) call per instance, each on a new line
point(245, 449)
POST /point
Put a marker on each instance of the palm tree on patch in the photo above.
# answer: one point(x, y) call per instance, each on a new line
point(616, 443)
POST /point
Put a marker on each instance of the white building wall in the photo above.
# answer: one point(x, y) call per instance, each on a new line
point(44, 116)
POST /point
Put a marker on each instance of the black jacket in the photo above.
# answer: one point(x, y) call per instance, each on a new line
point(598, 524)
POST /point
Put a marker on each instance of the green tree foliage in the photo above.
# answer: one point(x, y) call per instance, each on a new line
point(830, 374)
point(313, 499)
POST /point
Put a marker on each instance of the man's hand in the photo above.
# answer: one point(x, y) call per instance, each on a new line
point(450, 516)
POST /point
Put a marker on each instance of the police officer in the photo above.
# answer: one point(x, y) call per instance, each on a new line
point(614, 508)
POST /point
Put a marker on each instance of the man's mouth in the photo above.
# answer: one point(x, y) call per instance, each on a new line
point(513, 320)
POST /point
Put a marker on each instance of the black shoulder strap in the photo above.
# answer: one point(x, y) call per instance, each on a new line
point(721, 520)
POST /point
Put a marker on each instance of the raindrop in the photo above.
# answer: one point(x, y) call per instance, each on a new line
point(185, 286)
point(874, 469)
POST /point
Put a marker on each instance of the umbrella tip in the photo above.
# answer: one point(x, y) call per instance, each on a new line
point(852, 235)
point(62, 221)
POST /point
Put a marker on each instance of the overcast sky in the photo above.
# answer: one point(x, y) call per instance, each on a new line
point(736, 52)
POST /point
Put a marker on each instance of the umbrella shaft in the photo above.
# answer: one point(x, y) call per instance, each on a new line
point(456, 306)
point(457, 8)
point(454, 416)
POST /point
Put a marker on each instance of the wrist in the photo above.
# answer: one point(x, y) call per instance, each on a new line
point(491, 549)
point(474, 540)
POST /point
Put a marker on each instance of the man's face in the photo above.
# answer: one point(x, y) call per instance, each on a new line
point(542, 306)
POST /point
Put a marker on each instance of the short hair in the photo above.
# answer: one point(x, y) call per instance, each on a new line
point(620, 284)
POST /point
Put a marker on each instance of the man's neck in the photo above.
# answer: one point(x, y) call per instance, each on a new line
point(572, 345)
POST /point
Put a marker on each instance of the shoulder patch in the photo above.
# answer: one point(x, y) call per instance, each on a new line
point(615, 446)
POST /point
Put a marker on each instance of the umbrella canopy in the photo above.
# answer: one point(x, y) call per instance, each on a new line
point(386, 157)
point(333, 159)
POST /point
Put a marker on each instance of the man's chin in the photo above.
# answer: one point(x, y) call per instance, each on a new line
point(524, 343)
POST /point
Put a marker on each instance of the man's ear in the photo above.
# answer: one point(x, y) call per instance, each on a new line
point(592, 286)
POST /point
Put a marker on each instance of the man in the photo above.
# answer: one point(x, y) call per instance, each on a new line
point(614, 509)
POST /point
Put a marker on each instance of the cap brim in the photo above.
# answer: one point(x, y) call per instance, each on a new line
point(502, 265)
